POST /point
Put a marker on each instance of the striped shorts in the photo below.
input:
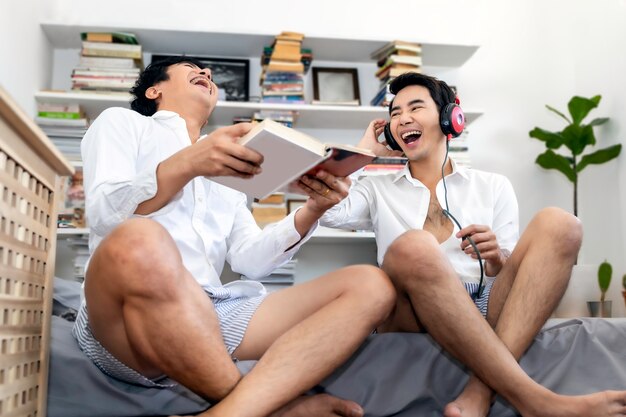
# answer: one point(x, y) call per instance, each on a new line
point(481, 302)
point(234, 314)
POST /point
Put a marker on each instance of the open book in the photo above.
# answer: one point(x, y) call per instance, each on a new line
point(289, 154)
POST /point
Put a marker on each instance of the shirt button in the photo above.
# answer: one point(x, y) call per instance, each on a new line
point(199, 199)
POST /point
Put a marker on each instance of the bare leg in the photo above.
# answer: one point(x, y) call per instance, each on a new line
point(525, 294)
point(420, 270)
point(147, 310)
point(303, 333)
point(139, 293)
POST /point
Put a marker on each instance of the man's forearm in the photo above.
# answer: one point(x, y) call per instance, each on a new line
point(172, 175)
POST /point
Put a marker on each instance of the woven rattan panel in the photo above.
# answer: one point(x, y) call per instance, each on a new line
point(25, 221)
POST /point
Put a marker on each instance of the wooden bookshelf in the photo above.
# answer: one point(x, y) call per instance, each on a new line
point(310, 116)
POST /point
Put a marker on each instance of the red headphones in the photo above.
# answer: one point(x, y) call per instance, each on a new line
point(451, 122)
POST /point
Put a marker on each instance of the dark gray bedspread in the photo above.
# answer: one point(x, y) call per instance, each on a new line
point(391, 374)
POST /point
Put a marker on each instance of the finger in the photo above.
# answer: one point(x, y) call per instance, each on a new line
point(329, 179)
point(471, 229)
point(244, 154)
point(376, 123)
point(316, 185)
point(229, 172)
point(238, 129)
point(483, 248)
point(307, 190)
point(242, 166)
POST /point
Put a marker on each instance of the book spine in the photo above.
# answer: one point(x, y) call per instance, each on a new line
point(59, 115)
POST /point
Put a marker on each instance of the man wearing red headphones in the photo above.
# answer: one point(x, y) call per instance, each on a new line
point(449, 239)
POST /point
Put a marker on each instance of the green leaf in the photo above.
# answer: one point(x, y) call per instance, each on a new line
point(553, 140)
point(579, 107)
point(552, 109)
point(577, 137)
point(599, 157)
point(604, 276)
point(624, 282)
point(551, 160)
point(599, 121)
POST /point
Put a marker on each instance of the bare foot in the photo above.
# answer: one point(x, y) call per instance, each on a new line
point(601, 404)
point(320, 405)
point(474, 401)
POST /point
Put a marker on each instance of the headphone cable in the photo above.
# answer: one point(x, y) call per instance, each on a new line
point(446, 211)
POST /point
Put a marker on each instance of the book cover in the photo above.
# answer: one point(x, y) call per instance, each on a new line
point(117, 37)
point(290, 154)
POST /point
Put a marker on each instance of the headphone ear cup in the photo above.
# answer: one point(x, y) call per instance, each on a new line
point(390, 139)
point(452, 120)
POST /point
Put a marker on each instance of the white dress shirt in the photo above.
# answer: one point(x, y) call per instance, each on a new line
point(391, 204)
point(209, 222)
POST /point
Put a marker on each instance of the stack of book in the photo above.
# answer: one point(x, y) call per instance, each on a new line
point(71, 204)
point(65, 125)
point(283, 67)
point(109, 62)
point(383, 166)
point(285, 117)
point(270, 209)
point(459, 151)
point(393, 59)
point(281, 277)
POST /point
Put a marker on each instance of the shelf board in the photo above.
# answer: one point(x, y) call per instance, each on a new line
point(71, 231)
point(321, 234)
point(310, 116)
point(67, 36)
point(327, 235)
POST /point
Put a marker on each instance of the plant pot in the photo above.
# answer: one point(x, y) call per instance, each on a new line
point(624, 294)
point(599, 309)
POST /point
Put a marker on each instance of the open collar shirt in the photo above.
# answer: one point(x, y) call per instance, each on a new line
point(392, 204)
point(210, 223)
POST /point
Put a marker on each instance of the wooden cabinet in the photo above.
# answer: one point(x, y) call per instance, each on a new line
point(30, 170)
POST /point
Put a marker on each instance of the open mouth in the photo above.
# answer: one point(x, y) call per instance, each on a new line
point(201, 81)
point(411, 136)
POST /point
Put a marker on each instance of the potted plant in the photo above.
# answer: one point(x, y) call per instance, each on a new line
point(576, 136)
point(603, 307)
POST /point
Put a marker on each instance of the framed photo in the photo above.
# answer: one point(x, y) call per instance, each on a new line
point(294, 203)
point(232, 76)
point(336, 86)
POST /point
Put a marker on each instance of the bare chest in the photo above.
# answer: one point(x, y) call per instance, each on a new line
point(437, 222)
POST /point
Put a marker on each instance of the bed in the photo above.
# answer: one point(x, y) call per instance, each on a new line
point(396, 374)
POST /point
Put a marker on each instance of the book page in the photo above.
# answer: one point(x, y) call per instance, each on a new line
point(340, 161)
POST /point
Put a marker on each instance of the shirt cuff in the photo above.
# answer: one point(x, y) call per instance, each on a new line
point(288, 237)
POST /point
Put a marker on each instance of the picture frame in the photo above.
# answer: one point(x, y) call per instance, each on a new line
point(232, 76)
point(338, 86)
point(294, 203)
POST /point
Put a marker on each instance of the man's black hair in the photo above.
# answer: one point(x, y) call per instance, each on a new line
point(441, 93)
point(153, 74)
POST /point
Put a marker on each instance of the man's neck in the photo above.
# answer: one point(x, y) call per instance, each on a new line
point(194, 120)
point(428, 171)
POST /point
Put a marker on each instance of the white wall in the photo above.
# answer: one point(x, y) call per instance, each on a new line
point(531, 53)
point(24, 50)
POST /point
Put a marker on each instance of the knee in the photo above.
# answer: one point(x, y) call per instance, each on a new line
point(139, 252)
point(562, 227)
point(375, 287)
point(413, 253)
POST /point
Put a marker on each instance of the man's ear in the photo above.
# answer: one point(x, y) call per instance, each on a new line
point(152, 93)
